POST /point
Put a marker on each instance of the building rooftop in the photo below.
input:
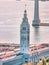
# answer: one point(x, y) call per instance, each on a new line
point(40, 47)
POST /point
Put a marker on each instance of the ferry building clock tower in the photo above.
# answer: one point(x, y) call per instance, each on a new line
point(24, 34)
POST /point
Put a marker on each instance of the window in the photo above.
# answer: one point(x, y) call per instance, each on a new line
point(23, 38)
point(23, 49)
point(26, 60)
point(24, 28)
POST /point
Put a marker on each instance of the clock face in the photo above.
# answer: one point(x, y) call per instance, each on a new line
point(24, 28)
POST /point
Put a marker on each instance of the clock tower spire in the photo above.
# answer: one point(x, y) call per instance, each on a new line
point(24, 34)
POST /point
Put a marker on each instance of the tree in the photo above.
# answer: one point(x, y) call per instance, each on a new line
point(43, 61)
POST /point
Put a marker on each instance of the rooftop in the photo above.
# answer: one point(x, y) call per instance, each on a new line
point(8, 54)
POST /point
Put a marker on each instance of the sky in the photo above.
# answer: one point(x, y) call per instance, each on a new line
point(11, 14)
